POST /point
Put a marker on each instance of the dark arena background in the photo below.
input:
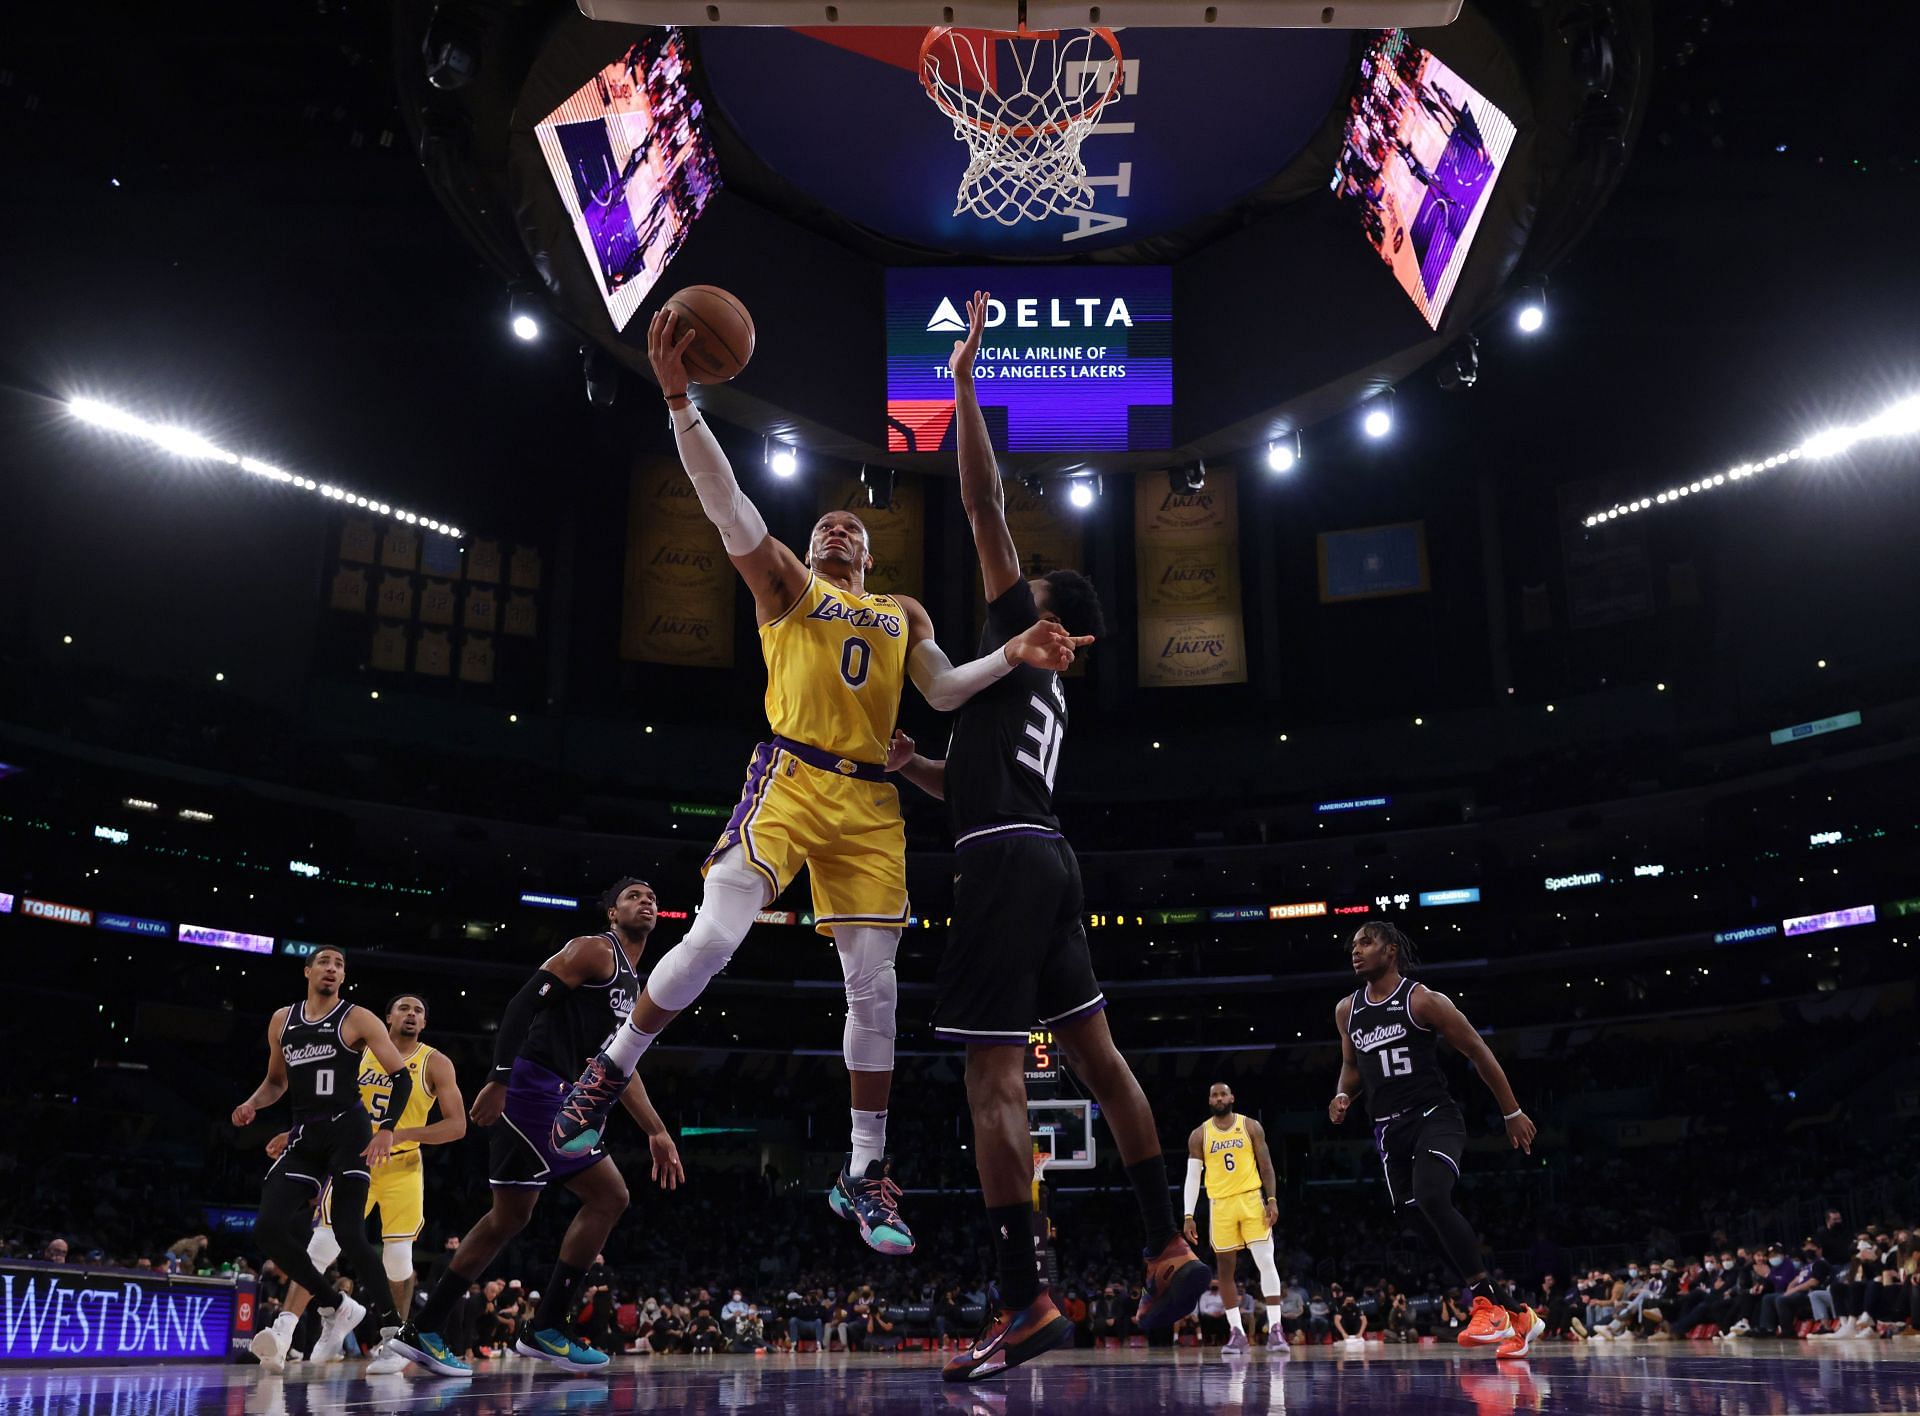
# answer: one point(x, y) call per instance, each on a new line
point(1491, 428)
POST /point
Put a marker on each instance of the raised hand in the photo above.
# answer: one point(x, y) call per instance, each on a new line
point(965, 350)
point(666, 351)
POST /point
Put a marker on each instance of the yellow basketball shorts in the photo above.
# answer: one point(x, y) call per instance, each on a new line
point(840, 819)
point(398, 1190)
point(1238, 1220)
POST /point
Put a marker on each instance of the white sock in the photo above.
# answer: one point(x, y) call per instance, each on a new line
point(628, 1044)
point(1233, 1320)
point(869, 1139)
point(1273, 1316)
point(284, 1325)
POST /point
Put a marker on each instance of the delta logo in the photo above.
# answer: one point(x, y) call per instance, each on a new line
point(1027, 314)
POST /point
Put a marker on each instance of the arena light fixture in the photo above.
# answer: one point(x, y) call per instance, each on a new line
point(1900, 420)
point(1082, 492)
point(1530, 315)
point(782, 460)
point(191, 446)
point(523, 316)
point(1377, 421)
point(1283, 454)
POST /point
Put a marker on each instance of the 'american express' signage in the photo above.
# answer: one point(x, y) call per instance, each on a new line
point(549, 902)
point(1353, 804)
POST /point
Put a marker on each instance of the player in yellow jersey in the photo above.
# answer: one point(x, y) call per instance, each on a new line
point(397, 1191)
point(817, 795)
point(1230, 1150)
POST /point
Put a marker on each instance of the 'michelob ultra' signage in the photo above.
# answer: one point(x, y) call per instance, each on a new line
point(50, 1313)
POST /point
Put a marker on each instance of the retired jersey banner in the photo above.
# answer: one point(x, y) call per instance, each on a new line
point(1188, 566)
point(897, 536)
point(678, 601)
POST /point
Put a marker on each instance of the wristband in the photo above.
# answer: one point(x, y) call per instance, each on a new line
point(1513, 1113)
point(392, 1123)
point(1341, 1096)
point(671, 396)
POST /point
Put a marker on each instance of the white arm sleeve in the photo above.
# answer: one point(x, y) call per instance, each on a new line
point(1193, 1184)
point(946, 687)
point(737, 519)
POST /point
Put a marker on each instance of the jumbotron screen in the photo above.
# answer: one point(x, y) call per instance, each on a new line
point(1074, 358)
point(629, 154)
point(1423, 149)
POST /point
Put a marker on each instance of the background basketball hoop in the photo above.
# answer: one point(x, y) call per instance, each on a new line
point(1023, 135)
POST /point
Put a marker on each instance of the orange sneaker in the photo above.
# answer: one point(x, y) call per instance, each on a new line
point(1527, 1325)
point(1488, 1323)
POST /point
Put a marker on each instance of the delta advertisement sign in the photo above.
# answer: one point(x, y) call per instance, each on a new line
point(1072, 359)
point(57, 1313)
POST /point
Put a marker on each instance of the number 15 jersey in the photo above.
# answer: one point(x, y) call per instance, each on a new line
point(1006, 740)
point(1399, 1066)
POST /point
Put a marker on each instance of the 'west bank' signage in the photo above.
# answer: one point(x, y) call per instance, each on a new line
point(63, 1313)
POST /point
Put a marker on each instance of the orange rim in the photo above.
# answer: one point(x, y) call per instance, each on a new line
point(1023, 130)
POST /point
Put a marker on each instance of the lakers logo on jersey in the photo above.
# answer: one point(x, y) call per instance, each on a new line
point(836, 665)
point(1230, 1165)
point(376, 1092)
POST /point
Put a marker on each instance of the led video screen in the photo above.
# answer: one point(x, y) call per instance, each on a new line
point(629, 154)
point(1423, 149)
point(1074, 358)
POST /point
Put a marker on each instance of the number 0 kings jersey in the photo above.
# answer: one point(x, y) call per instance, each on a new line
point(1399, 1066)
point(1006, 739)
point(322, 1071)
point(565, 1037)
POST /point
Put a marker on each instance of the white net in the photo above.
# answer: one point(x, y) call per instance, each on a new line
point(1022, 103)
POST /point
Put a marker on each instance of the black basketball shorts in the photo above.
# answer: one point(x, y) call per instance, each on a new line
point(1437, 1132)
point(1017, 955)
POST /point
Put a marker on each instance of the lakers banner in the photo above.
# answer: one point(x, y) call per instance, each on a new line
point(678, 602)
point(897, 536)
point(1188, 567)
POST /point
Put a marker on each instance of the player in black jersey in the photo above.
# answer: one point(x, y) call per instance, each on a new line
point(1389, 1029)
point(554, 1026)
point(1017, 955)
point(313, 1059)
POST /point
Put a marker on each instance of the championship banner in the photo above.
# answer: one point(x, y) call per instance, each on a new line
point(1187, 564)
point(897, 536)
point(677, 607)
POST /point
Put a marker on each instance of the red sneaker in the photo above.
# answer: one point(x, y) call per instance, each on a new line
point(1527, 1325)
point(1488, 1323)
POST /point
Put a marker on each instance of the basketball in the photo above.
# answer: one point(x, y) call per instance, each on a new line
point(724, 339)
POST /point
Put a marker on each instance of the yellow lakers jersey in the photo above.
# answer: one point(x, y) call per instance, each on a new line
point(376, 1091)
point(1231, 1168)
point(836, 665)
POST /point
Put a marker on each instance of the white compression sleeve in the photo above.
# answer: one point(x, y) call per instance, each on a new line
point(946, 687)
point(1262, 1251)
point(1194, 1170)
point(736, 518)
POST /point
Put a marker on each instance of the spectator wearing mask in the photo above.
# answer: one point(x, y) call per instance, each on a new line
point(1399, 1322)
point(1212, 1313)
point(749, 1331)
point(1854, 1288)
point(735, 1306)
point(1293, 1309)
point(1453, 1317)
point(705, 1333)
point(1781, 1312)
point(1836, 1244)
point(1349, 1321)
point(805, 1322)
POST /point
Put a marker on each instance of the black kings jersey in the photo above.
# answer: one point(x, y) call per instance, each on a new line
point(323, 1073)
point(565, 1037)
point(1006, 739)
point(1399, 1063)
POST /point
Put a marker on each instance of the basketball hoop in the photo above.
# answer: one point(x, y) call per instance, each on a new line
point(1023, 140)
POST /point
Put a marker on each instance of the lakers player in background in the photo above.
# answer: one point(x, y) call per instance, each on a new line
point(816, 795)
point(397, 1191)
point(1230, 1151)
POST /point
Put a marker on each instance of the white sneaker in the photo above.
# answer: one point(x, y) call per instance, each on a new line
point(270, 1346)
point(386, 1362)
point(342, 1319)
point(1740, 1329)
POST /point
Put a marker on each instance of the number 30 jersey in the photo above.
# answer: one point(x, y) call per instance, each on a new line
point(1399, 1063)
point(1006, 740)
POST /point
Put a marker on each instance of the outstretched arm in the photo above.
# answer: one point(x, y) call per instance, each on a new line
point(980, 491)
point(773, 572)
point(1437, 1011)
point(1044, 644)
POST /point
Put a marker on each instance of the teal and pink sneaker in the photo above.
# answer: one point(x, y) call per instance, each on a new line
point(874, 1201)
